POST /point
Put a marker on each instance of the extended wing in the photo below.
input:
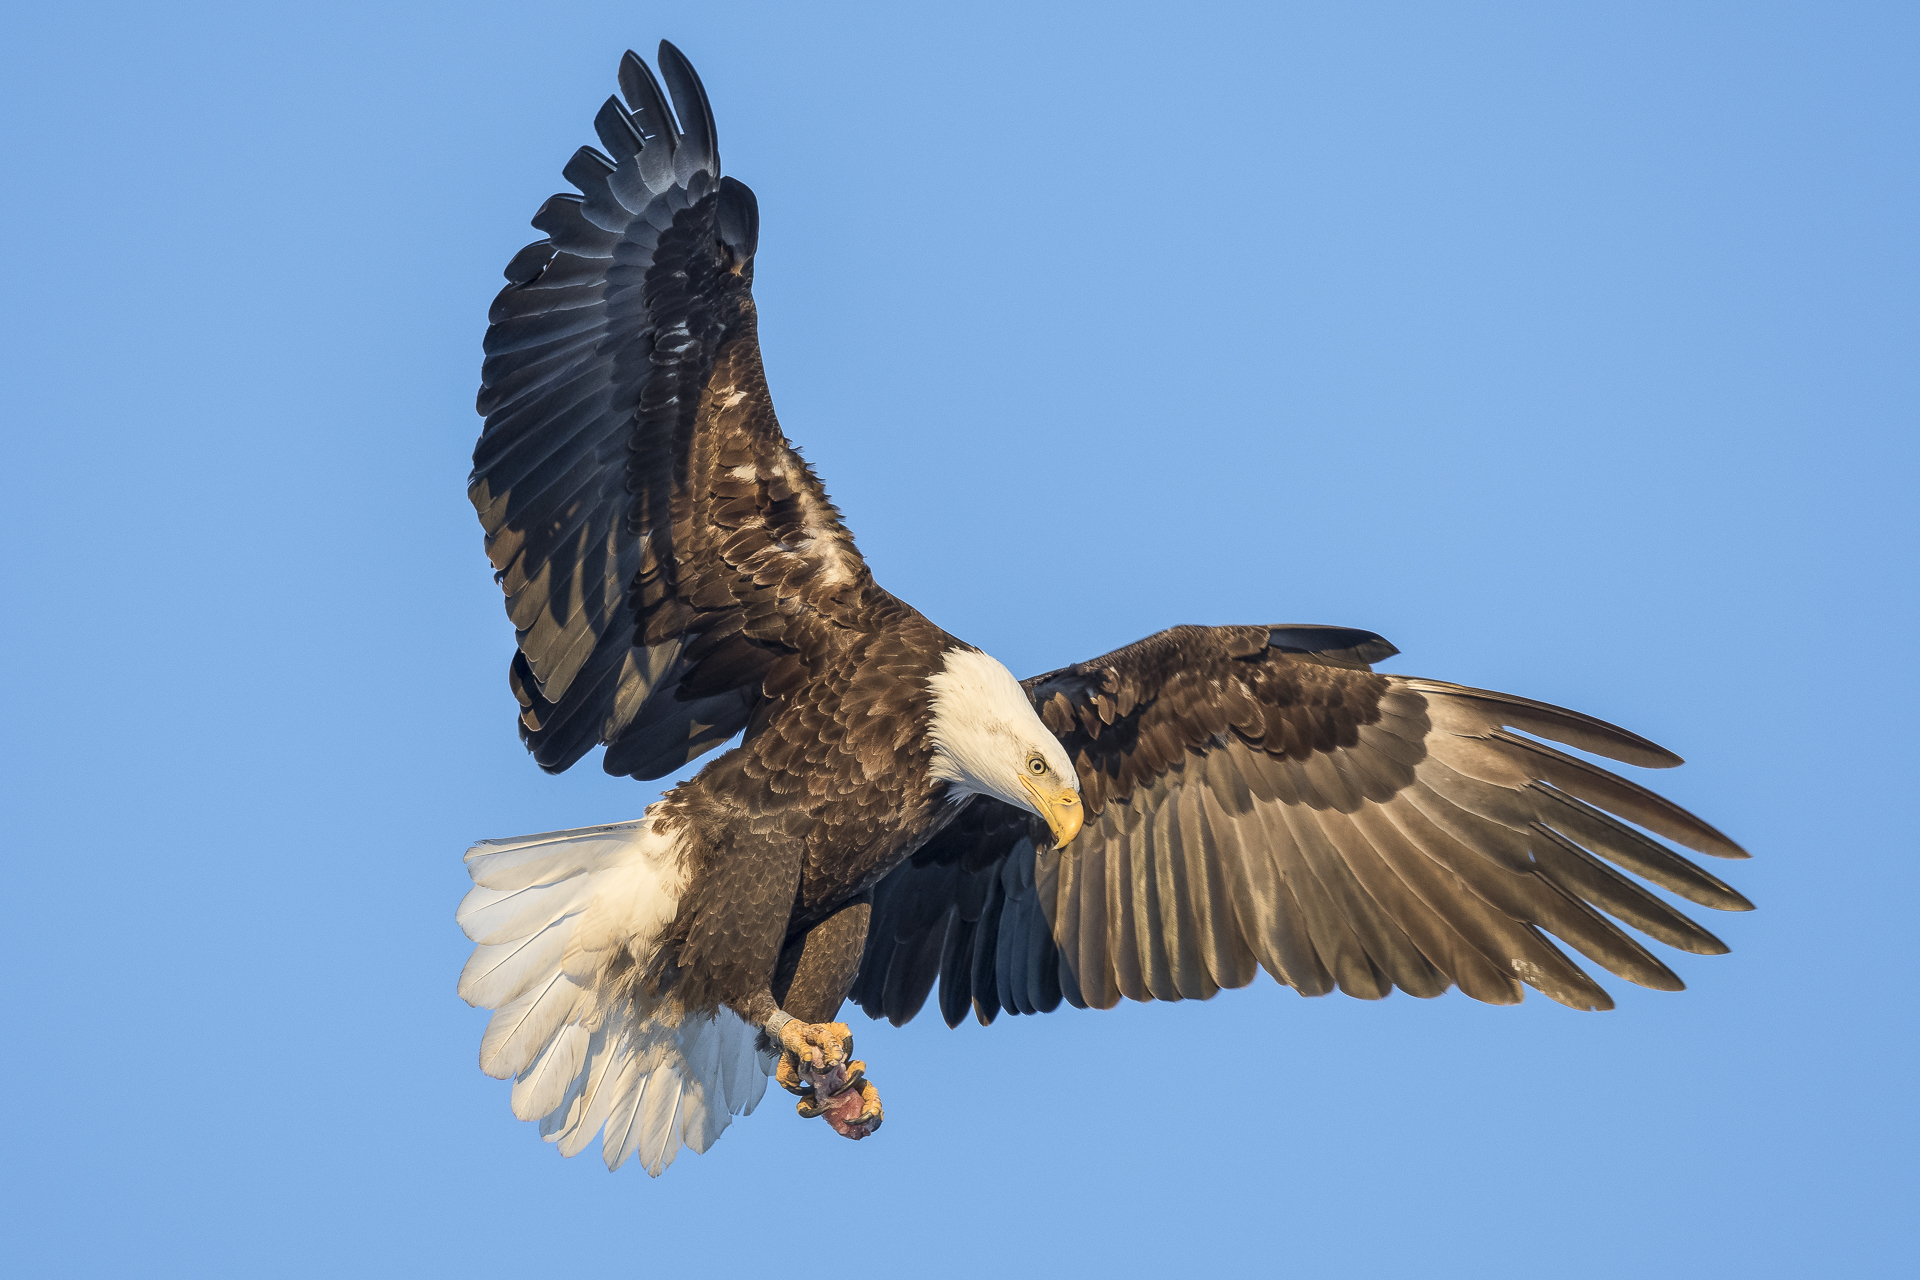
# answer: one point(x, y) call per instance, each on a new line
point(1257, 798)
point(667, 556)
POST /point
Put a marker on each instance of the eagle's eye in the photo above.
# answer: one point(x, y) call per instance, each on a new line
point(1036, 766)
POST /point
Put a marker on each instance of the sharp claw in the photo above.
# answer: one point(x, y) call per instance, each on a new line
point(787, 1075)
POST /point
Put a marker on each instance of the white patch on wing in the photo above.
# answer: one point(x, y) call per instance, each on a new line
point(829, 546)
point(984, 730)
point(823, 541)
point(563, 922)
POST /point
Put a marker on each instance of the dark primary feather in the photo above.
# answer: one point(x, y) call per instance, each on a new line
point(664, 551)
point(1258, 798)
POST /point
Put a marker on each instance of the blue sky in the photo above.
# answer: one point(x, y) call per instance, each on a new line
point(1572, 351)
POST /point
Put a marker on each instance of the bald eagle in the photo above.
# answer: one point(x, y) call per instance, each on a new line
point(901, 811)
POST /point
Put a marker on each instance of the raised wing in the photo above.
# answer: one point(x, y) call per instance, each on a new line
point(1257, 798)
point(667, 556)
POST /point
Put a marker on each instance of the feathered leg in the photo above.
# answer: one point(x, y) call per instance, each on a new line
point(816, 1061)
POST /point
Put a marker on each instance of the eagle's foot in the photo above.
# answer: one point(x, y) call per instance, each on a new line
point(816, 1062)
point(815, 1045)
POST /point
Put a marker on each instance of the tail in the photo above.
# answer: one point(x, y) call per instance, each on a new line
point(565, 921)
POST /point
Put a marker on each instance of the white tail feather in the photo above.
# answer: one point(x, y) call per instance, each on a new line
point(496, 974)
point(543, 1086)
point(562, 921)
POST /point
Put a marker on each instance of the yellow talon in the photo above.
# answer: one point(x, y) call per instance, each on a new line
point(869, 1106)
point(818, 1044)
point(816, 1057)
point(787, 1075)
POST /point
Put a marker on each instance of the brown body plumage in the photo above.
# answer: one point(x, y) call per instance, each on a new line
point(827, 793)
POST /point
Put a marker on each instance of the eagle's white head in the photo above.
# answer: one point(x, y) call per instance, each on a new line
point(988, 741)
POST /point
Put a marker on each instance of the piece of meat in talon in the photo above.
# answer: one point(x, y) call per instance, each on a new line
point(816, 1062)
point(854, 1112)
point(846, 1098)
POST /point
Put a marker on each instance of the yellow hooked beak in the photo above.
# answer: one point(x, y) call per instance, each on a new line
point(1060, 807)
